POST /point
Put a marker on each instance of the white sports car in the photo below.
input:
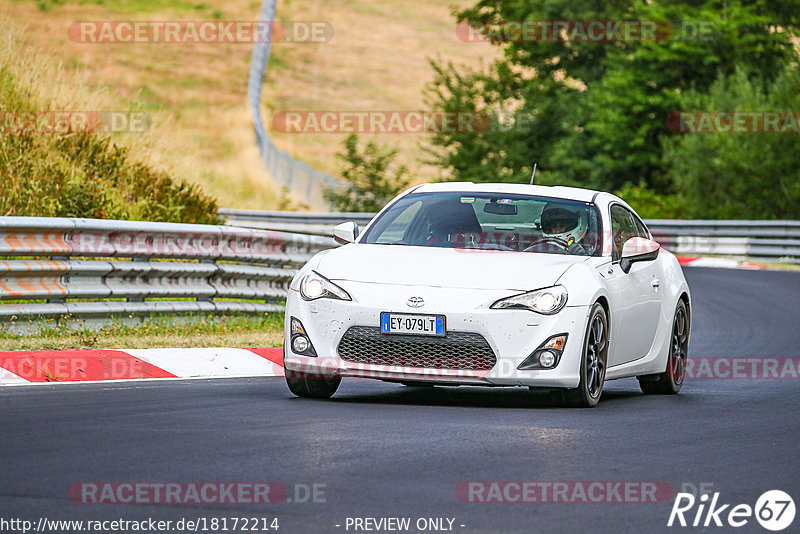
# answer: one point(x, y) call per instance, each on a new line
point(491, 285)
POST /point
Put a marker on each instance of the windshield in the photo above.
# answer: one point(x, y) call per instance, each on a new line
point(490, 221)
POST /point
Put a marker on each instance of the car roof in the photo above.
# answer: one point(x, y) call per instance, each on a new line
point(558, 191)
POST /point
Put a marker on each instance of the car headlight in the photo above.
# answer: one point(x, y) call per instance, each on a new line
point(547, 301)
point(315, 286)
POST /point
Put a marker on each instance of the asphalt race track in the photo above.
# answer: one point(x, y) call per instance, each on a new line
point(385, 450)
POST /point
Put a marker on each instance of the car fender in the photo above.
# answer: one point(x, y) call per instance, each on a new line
point(584, 285)
point(673, 283)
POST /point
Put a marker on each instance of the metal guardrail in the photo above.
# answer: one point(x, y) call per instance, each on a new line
point(751, 240)
point(754, 240)
point(100, 268)
point(107, 265)
point(290, 221)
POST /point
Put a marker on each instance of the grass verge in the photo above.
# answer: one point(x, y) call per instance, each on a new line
point(161, 332)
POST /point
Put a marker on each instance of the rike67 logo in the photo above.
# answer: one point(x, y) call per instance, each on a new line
point(774, 510)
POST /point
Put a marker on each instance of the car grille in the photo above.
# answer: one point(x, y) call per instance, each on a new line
point(457, 350)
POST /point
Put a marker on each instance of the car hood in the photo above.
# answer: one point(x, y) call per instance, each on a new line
point(444, 267)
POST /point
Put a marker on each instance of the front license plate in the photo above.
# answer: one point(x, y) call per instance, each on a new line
point(412, 323)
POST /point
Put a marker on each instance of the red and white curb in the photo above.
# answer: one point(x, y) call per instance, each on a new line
point(32, 367)
point(719, 263)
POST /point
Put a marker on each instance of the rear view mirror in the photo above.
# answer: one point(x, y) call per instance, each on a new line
point(496, 208)
point(344, 233)
point(638, 249)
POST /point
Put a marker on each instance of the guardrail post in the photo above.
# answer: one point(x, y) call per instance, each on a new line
point(206, 299)
point(137, 299)
point(64, 279)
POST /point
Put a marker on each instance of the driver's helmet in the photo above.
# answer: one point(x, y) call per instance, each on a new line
point(563, 223)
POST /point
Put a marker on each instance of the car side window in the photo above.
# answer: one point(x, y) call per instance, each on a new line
point(641, 231)
point(623, 228)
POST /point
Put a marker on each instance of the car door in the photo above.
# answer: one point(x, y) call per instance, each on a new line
point(638, 292)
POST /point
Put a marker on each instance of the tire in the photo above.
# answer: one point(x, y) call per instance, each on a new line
point(312, 386)
point(593, 362)
point(670, 381)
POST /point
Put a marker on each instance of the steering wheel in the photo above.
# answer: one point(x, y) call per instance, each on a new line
point(472, 240)
point(546, 243)
point(511, 242)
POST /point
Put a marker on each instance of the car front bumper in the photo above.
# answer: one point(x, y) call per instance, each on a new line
point(512, 334)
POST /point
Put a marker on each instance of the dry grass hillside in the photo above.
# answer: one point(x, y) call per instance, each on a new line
point(196, 93)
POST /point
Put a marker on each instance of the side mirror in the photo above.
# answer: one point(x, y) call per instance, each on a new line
point(638, 249)
point(344, 233)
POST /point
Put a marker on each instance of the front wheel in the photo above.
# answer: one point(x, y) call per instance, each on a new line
point(670, 381)
point(593, 362)
point(312, 386)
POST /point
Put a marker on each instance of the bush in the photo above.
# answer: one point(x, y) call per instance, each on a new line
point(371, 179)
point(739, 175)
point(80, 174)
point(651, 205)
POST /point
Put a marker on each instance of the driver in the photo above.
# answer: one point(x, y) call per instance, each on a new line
point(564, 227)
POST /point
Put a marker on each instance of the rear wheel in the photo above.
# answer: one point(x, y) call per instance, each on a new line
point(593, 362)
point(670, 381)
point(313, 386)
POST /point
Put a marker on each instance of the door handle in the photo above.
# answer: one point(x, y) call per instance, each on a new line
point(655, 282)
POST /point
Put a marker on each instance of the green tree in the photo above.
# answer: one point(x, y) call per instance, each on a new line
point(371, 177)
point(597, 110)
point(740, 175)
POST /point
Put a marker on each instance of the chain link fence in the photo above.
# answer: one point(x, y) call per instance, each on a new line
point(298, 177)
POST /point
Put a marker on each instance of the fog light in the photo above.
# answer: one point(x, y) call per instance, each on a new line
point(547, 359)
point(547, 356)
point(300, 344)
